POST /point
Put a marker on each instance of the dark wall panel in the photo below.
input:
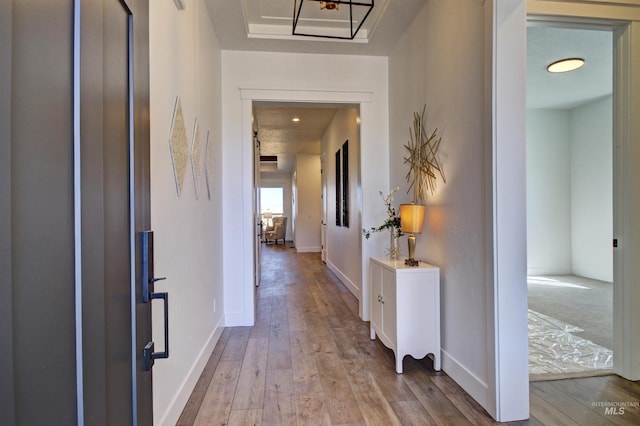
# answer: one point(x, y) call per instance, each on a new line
point(37, 241)
point(42, 213)
point(6, 317)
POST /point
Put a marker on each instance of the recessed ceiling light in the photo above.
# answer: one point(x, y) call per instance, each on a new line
point(295, 119)
point(565, 65)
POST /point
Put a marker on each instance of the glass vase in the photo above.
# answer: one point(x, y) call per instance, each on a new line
point(394, 245)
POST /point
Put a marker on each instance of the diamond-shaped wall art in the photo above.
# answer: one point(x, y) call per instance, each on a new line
point(178, 145)
point(197, 152)
point(208, 165)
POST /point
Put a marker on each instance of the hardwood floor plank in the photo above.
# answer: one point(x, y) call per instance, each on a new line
point(279, 402)
point(279, 356)
point(306, 378)
point(296, 319)
point(439, 407)
point(630, 389)
point(532, 422)
point(385, 356)
point(320, 326)
point(390, 383)
point(237, 344)
point(251, 383)
point(463, 401)
point(375, 408)
point(322, 304)
point(245, 417)
point(547, 413)
point(574, 409)
point(320, 342)
point(311, 410)
point(597, 395)
point(348, 345)
point(279, 306)
point(263, 318)
point(192, 407)
point(279, 329)
point(263, 307)
point(412, 413)
point(341, 402)
point(260, 330)
point(218, 400)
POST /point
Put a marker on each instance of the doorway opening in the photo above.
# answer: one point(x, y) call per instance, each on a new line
point(271, 209)
point(371, 118)
point(294, 140)
point(570, 205)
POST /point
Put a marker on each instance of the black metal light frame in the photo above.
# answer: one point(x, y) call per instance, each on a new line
point(297, 8)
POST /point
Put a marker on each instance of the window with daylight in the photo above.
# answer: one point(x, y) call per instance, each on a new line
point(272, 201)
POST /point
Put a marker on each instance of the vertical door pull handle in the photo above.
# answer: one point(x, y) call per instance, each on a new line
point(149, 355)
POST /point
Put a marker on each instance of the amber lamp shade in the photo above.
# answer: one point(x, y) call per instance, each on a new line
point(412, 219)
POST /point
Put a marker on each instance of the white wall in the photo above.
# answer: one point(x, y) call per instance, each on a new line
point(269, 76)
point(308, 204)
point(184, 62)
point(548, 192)
point(343, 243)
point(570, 191)
point(441, 64)
point(592, 190)
point(465, 60)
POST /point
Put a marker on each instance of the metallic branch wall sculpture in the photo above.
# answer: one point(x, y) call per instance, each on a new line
point(424, 166)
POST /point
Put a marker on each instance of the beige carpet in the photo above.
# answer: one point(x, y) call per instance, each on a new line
point(580, 301)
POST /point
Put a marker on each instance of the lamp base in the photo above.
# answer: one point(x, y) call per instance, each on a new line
point(412, 249)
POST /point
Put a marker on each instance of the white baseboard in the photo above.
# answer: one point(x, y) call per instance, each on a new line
point(308, 249)
point(471, 383)
point(172, 414)
point(556, 270)
point(345, 280)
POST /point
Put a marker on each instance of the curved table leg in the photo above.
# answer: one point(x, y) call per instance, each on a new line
point(399, 358)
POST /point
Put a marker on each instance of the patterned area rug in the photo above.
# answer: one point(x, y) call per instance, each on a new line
point(556, 352)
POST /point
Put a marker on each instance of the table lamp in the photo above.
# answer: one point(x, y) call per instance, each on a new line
point(411, 220)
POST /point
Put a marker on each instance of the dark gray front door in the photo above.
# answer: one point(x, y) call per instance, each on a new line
point(74, 196)
point(115, 199)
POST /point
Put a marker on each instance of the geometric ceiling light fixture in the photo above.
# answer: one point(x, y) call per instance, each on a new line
point(340, 19)
point(565, 65)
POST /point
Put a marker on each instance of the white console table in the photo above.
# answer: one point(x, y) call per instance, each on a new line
point(405, 308)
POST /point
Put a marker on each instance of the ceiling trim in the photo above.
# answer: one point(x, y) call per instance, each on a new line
point(595, 24)
point(278, 25)
point(597, 9)
point(275, 32)
point(302, 95)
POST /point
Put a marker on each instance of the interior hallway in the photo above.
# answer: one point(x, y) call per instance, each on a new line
point(309, 360)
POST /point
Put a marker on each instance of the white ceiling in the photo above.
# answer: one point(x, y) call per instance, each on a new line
point(568, 90)
point(284, 138)
point(266, 25)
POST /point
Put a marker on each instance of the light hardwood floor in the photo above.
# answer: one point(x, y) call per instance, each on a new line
point(309, 361)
